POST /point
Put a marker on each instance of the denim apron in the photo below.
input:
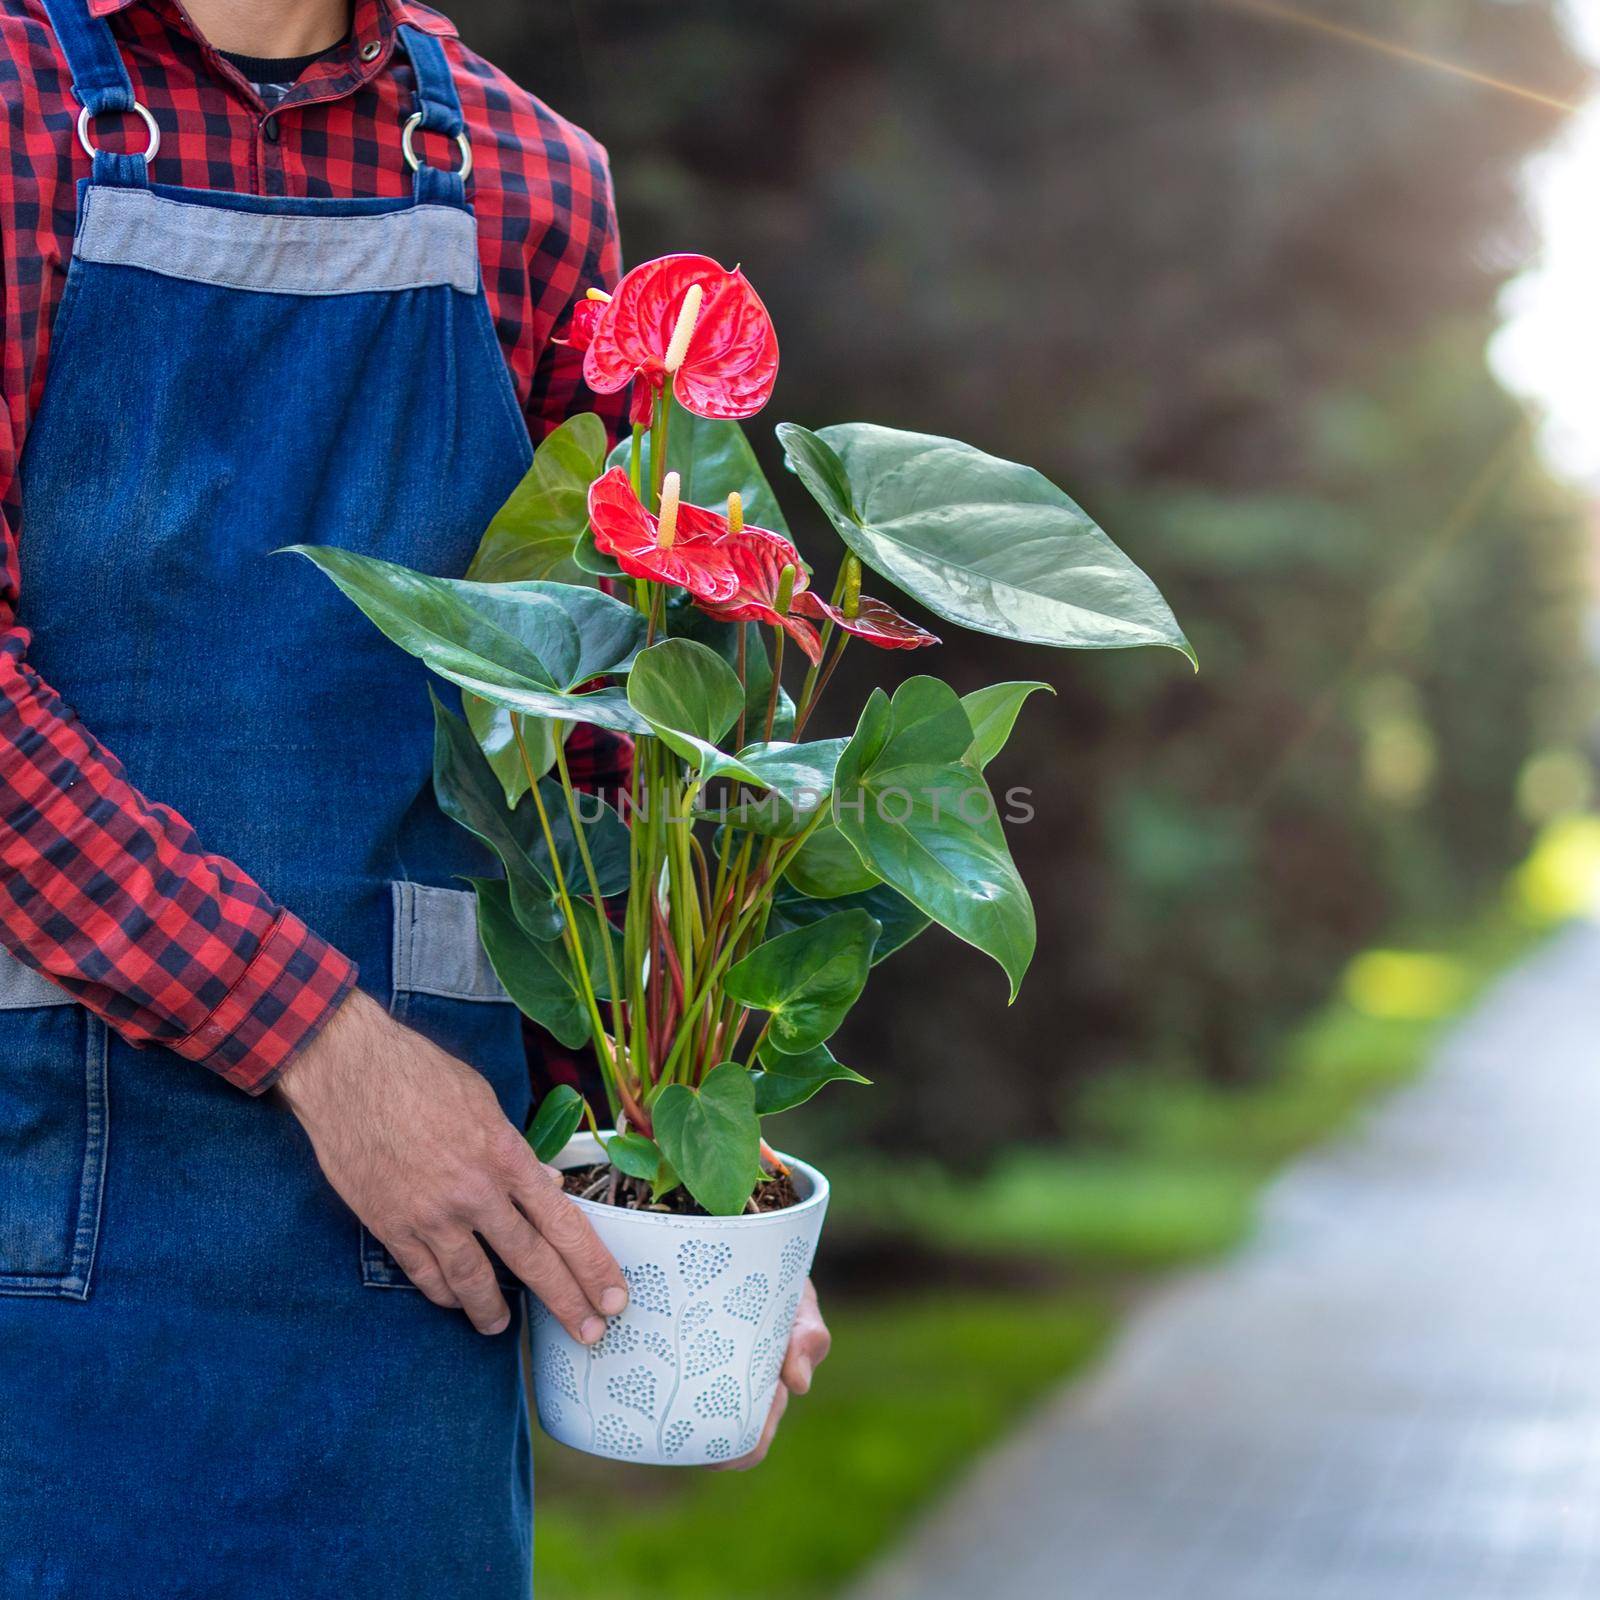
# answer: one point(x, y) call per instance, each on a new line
point(213, 1383)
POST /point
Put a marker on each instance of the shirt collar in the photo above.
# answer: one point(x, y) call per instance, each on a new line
point(423, 18)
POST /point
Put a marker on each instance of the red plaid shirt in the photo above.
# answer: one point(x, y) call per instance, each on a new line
point(109, 893)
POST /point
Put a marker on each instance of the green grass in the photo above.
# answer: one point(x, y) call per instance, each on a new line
point(914, 1389)
point(917, 1386)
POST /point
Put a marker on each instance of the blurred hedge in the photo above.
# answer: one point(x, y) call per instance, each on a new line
point(1229, 282)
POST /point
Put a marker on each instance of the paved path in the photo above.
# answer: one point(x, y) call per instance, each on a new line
point(1392, 1394)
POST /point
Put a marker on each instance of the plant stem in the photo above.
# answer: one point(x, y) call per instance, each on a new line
point(777, 684)
point(597, 1025)
point(776, 857)
point(802, 717)
point(755, 1049)
point(603, 922)
point(744, 687)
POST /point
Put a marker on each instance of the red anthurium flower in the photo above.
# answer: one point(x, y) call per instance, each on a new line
point(683, 546)
point(581, 324)
point(758, 557)
point(874, 621)
point(686, 322)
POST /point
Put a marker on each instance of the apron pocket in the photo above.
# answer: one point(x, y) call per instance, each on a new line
point(53, 1132)
point(445, 988)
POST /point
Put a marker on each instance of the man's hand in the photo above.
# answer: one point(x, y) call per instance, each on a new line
point(416, 1145)
point(808, 1349)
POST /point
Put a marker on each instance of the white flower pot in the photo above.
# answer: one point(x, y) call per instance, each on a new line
point(685, 1376)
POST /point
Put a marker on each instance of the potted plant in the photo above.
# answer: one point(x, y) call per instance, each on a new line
point(707, 936)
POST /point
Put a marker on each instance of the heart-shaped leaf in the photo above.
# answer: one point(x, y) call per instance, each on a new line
point(559, 1114)
point(525, 646)
point(634, 1155)
point(807, 980)
point(993, 714)
point(535, 533)
point(713, 459)
point(492, 727)
point(712, 1137)
point(688, 696)
point(827, 866)
point(685, 620)
point(788, 1081)
point(900, 920)
point(469, 794)
point(985, 543)
point(925, 822)
point(537, 974)
point(797, 778)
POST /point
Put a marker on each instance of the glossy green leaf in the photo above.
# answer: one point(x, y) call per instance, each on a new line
point(797, 780)
point(634, 1155)
point(807, 980)
point(470, 794)
point(827, 866)
point(985, 543)
point(788, 1081)
point(492, 728)
point(713, 460)
point(925, 822)
point(525, 646)
point(535, 533)
point(557, 1120)
point(536, 973)
point(993, 714)
point(712, 1137)
point(685, 620)
point(688, 696)
point(900, 920)
point(588, 558)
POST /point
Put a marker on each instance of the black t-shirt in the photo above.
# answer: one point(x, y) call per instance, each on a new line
point(272, 78)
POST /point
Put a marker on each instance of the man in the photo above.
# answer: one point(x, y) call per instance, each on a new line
point(250, 299)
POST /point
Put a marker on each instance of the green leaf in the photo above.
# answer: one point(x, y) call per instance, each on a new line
point(827, 866)
point(788, 1081)
point(900, 920)
point(537, 975)
point(685, 620)
point(925, 822)
point(560, 1112)
point(469, 793)
point(993, 713)
point(689, 697)
point(798, 779)
point(535, 533)
point(634, 1155)
point(713, 460)
point(807, 980)
point(525, 646)
point(985, 543)
point(712, 1137)
point(491, 727)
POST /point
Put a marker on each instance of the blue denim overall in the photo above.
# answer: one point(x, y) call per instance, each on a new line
point(213, 1383)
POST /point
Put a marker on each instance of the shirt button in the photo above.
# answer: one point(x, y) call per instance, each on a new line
point(371, 50)
point(269, 130)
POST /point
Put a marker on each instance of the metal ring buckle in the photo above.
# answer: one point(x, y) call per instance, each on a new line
point(85, 117)
point(408, 144)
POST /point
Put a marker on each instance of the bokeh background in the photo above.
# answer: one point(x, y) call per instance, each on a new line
point(1232, 281)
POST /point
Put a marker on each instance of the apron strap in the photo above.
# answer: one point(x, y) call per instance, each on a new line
point(439, 111)
point(101, 83)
